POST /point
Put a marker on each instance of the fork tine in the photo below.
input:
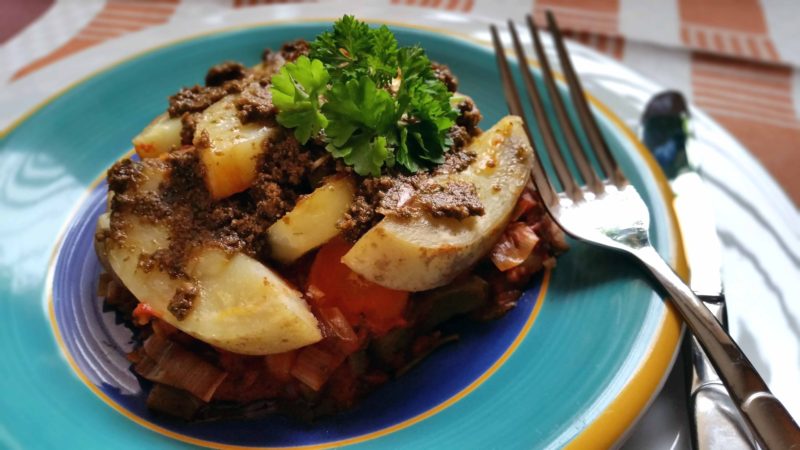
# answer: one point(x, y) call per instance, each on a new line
point(540, 179)
point(604, 156)
point(562, 171)
point(584, 166)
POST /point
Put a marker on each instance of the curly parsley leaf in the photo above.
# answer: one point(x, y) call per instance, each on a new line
point(382, 59)
point(383, 103)
point(426, 102)
point(360, 116)
point(344, 50)
point(296, 90)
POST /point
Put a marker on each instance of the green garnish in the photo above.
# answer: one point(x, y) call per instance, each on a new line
point(373, 102)
point(296, 90)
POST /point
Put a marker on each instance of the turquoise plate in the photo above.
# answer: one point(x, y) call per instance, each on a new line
point(575, 364)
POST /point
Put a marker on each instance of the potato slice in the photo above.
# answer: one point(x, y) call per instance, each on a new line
point(313, 220)
point(158, 137)
point(423, 252)
point(229, 149)
point(241, 305)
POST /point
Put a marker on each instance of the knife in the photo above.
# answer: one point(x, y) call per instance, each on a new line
point(715, 422)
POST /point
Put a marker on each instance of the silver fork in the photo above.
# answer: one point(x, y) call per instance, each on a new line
point(605, 209)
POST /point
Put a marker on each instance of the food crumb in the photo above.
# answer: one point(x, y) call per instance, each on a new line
point(183, 301)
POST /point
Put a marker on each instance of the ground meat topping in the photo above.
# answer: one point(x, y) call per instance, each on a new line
point(268, 55)
point(290, 51)
point(272, 200)
point(408, 195)
point(185, 180)
point(168, 260)
point(188, 127)
point(255, 103)
point(287, 161)
point(271, 62)
point(123, 175)
point(194, 99)
point(469, 116)
point(456, 199)
point(202, 140)
point(466, 126)
point(147, 205)
point(455, 162)
point(182, 302)
point(443, 73)
point(362, 214)
point(227, 71)
point(393, 201)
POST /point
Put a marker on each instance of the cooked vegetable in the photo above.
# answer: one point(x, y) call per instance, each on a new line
point(390, 349)
point(173, 401)
point(280, 364)
point(228, 148)
point(360, 300)
point(423, 252)
point(240, 304)
point(382, 103)
point(314, 366)
point(337, 324)
point(161, 135)
point(312, 222)
point(169, 363)
point(514, 247)
point(446, 302)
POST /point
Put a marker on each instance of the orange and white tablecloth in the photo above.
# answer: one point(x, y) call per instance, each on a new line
point(736, 59)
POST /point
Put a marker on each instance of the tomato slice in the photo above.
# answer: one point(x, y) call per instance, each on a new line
point(361, 301)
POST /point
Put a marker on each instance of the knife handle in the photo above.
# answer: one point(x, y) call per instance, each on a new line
point(769, 420)
point(716, 422)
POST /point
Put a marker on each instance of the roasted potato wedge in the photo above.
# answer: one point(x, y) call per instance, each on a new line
point(313, 220)
point(239, 304)
point(158, 137)
point(228, 148)
point(423, 252)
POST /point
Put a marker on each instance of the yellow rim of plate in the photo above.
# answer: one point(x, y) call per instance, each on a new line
point(604, 430)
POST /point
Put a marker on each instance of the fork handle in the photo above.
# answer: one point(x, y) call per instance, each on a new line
point(769, 420)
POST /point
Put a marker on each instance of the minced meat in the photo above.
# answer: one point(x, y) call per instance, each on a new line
point(123, 175)
point(443, 73)
point(466, 126)
point(194, 99)
point(362, 214)
point(182, 301)
point(188, 127)
point(456, 199)
point(406, 196)
point(255, 103)
point(290, 51)
point(227, 71)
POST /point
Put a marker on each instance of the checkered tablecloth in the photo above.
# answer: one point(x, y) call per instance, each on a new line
point(736, 59)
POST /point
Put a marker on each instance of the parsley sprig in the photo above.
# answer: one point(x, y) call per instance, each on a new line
point(374, 103)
